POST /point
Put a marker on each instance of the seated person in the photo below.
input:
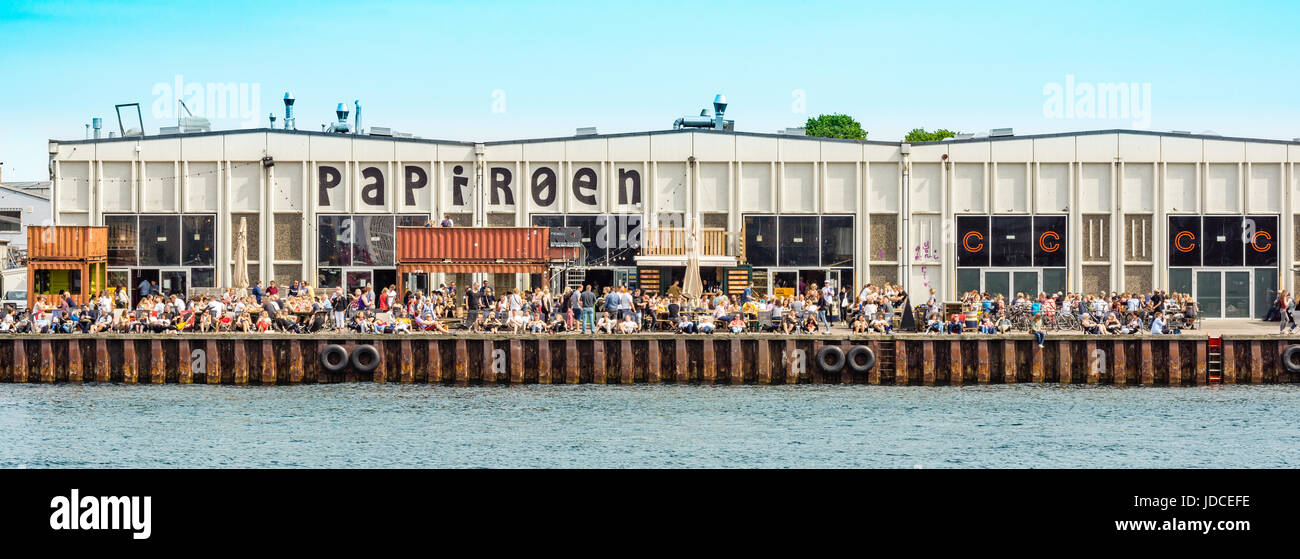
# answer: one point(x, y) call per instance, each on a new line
point(629, 324)
point(933, 325)
point(244, 323)
point(987, 326)
point(263, 322)
point(537, 325)
point(737, 325)
point(955, 324)
point(1133, 326)
point(1090, 326)
point(1113, 325)
point(1004, 323)
point(880, 325)
point(605, 323)
point(684, 325)
point(810, 323)
point(705, 325)
point(860, 324)
point(789, 323)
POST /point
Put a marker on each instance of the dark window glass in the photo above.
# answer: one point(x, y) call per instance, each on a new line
point(624, 238)
point(1222, 244)
point(11, 221)
point(160, 240)
point(1261, 241)
point(590, 226)
point(1180, 280)
point(548, 221)
point(122, 239)
point(798, 241)
point(1011, 241)
point(329, 278)
point(372, 244)
point(203, 277)
point(968, 279)
point(837, 241)
point(198, 237)
point(760, 240)
point(1054, 280)
point(1184, 241)
point(412, 220)
point(1049, 241)
point(973, 242)
point(334, 241)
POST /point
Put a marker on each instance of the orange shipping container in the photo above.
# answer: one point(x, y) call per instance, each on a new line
point(473, 244)
point(66, 242)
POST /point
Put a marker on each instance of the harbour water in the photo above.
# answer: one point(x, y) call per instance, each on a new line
point(391, 425)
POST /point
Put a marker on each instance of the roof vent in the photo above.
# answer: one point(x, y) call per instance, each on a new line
point(586, 131)
point(1001, 132)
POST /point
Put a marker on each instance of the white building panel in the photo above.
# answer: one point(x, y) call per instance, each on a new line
point(159, 187)
point(1175, 149)
point(204, 176)
point(1096, 147)
point(414, 197)
point(808, 149)
point(1221, 188)
point(504, 152)
point(286, 195)
point(282, 147)
point(120, 150)
point(1139, 187)
point(1053, 190)
point(841, 151)
point(878, 153)
point(714, 187)
point(1011, 188)
point(882, 187)
point(323, 148)
point(756, 187)
point(926, 188)
point(248, 147)
point(74, 186)
point(1223, 151)
point(670, 147)
point(714, 147)
point(1058, 150)
point(586, 150)
point(160, 150)
point(329, 185)
point(1012, 151)
point(970, 151)
point(533, 151)
point(1181, 193)
point(630, 148)
point(670, 188)
point(1135, 148)
point(544, 187)
point(968, 192)
point(117, 187)
point(1094, 187)
point(245, 186)
point(1260, 152)
point(1265, 194)
point(584, 187)
point(798, 188)
point(416, 151)
point(210, 148)
point(841, 187)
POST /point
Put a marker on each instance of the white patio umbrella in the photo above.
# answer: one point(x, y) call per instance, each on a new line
point(240, 278)
point(692, 286)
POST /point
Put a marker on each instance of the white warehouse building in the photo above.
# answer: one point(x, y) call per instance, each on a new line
point(1111, 210)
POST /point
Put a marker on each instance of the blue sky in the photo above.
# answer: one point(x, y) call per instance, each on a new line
point(431, 68)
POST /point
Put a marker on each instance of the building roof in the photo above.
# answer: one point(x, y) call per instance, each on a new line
point(683, 131)
point(35, 189)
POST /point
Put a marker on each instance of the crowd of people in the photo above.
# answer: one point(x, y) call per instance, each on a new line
point(301, 308)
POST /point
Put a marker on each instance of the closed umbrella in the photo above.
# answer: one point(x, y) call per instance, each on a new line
point(692, 286)
point(240, 278)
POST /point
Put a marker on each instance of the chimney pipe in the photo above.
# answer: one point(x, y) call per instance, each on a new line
point(272, 117)
point(357, 125)
point(288, 112)
point(98, 123)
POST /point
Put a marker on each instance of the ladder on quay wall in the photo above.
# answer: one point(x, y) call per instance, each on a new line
point(885, 361)
point(1214, 360)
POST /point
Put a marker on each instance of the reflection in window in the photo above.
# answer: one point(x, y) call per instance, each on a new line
point(329, 278)
point(198, 234)
point(1011, 241)
point(121, 239)
point(372, 244)
point(415, 220)
point(798, 245)
point(1222, 244)
point(160, 240)
point(760, 240)
point(334, 242)
point(203, 277)
point(591, 244)
point(837, 241)
point(548, 221)
point(118, 278)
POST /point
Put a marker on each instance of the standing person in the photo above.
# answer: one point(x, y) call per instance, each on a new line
point(145, 288)
point(1295, 313)
point(473, 299)
point(588, 310)
point(339, 306)
point(257, 291)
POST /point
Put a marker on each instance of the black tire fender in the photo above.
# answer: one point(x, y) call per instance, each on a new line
point(1291, 358)
point(365, 358)
point(329, 363)
point(860, 353)
point(836, 358)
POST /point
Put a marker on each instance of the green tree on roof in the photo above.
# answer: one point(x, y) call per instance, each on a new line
point(835, 126)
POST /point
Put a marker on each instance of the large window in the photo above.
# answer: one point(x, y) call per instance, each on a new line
point(372, 242)
point(1223, 241)
point(799, 241)
point(198, 235)
point(122, 239)
point(607, 240)
point(353, 240)
point(160, 240)
point(11, 221)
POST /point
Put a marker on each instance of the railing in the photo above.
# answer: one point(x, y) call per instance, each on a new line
point(671, 241)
